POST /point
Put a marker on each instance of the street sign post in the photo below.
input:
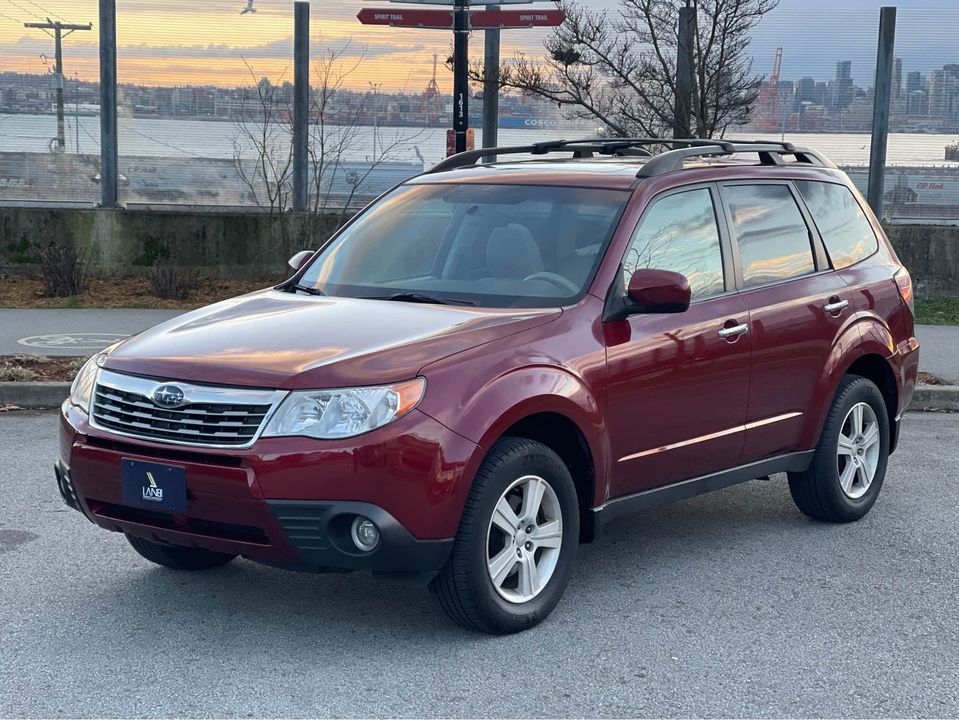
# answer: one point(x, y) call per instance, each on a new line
point(461, 20)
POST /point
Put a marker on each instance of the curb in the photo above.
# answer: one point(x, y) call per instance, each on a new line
point(936, 398)
point(52, 394)
point(34, 394)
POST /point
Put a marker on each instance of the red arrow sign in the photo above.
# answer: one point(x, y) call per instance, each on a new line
point(439, 19)
point(491, 19)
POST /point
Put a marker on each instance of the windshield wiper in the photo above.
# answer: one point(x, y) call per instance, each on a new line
point(306, 289)
point(412, 297)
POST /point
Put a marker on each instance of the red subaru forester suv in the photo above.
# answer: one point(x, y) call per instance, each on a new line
point(495, 358)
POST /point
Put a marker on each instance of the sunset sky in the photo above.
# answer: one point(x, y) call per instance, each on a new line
point(168, 42)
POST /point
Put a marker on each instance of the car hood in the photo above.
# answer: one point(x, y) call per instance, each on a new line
point(280, 340)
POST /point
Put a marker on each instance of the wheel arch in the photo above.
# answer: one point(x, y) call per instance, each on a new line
point(876, 368)
point(562, 435)
point(547, 404)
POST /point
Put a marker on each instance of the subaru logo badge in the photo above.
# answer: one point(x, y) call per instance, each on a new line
point(168, 396)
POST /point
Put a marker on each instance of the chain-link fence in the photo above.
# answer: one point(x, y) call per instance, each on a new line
point(205, 101)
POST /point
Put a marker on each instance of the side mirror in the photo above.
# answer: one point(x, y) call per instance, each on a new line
point(298, 260)
point(658, 291)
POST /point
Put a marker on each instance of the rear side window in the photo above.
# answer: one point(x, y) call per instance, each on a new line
point(679, 233)
point(773, 239)
point(843, 225)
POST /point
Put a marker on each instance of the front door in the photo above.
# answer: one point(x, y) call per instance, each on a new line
point(676, 397)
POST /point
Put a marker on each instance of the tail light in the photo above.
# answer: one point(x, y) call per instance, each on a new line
point(904, 283)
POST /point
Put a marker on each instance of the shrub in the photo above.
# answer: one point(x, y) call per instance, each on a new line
point(172, 282)
point(15, 373)
point(64, 271)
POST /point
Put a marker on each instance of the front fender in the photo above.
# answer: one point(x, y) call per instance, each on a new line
point(483, 412)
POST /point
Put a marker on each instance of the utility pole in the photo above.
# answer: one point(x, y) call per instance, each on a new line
point(461, 61)
point(59, 31)
point(491, 88)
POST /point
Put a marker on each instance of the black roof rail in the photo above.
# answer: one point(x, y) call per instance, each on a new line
point(580, 149)
point(770, 153)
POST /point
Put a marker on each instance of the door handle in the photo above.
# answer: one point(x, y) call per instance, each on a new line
point(734, 331)
point(836, 307)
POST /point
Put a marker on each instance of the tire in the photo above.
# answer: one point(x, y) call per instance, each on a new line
point(178, 558)
point(819, 492)
point(512, 471)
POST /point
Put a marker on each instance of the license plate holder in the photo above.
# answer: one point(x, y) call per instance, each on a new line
point(154, 485)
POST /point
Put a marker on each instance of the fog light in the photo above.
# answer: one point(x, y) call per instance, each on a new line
point(366, 536)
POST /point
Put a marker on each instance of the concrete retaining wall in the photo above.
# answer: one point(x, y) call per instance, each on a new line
point(931, 252)
point(126, 242)
point(251, 244)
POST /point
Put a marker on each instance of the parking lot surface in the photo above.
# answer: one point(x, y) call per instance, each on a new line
point(732, 604)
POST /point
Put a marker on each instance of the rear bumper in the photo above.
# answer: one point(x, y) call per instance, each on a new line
point(276, 504)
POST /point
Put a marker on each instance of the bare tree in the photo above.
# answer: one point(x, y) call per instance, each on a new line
point(264, 131)
point(619, 68)
point(263, 144)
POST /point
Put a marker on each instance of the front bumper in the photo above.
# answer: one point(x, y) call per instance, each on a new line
point(287, 501)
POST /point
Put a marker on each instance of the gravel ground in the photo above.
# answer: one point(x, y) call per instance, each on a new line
point(731, 604)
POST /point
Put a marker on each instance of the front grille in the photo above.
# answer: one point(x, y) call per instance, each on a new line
point(122, 404)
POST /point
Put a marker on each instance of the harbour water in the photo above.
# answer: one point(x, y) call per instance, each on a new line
point(196, 162)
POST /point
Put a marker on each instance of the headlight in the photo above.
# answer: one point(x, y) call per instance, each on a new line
point(82, 389)
point(331, 414)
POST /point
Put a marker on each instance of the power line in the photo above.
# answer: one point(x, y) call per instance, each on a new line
point(23, 9)
point(42, 9)
point(18, 22)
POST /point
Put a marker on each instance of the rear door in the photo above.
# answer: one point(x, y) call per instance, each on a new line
point(676, 397)
point(797, 307)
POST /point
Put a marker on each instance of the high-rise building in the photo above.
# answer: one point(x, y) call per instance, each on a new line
point(913, 81)
point(844, 70)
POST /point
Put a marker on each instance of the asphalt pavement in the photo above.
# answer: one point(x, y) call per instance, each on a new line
point(83, 332)
point(732, 604)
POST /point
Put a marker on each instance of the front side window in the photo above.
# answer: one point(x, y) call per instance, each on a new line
point(473, 244)
point(845, 231)
point(679, 233)
point(774, 242)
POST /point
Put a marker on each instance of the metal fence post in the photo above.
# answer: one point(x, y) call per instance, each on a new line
point(880, 110)
point(108, 104)
point(684, 71)
point(301, 104)
point(491, 88)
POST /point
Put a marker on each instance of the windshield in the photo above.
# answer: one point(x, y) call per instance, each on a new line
point(483, 245)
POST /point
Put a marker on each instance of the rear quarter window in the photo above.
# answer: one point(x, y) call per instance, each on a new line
point(844, 227)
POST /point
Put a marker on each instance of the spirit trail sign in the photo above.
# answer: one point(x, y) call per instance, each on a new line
point(461, 20)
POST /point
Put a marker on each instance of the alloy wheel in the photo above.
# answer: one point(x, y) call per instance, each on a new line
point(859, 450)
point(524, 539)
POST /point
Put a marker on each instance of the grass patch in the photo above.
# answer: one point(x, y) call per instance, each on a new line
point(937, 311)
point(69, 303)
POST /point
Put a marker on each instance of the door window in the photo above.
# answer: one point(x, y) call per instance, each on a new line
point(845, 231)
point(679, 233)
point(774, 241)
